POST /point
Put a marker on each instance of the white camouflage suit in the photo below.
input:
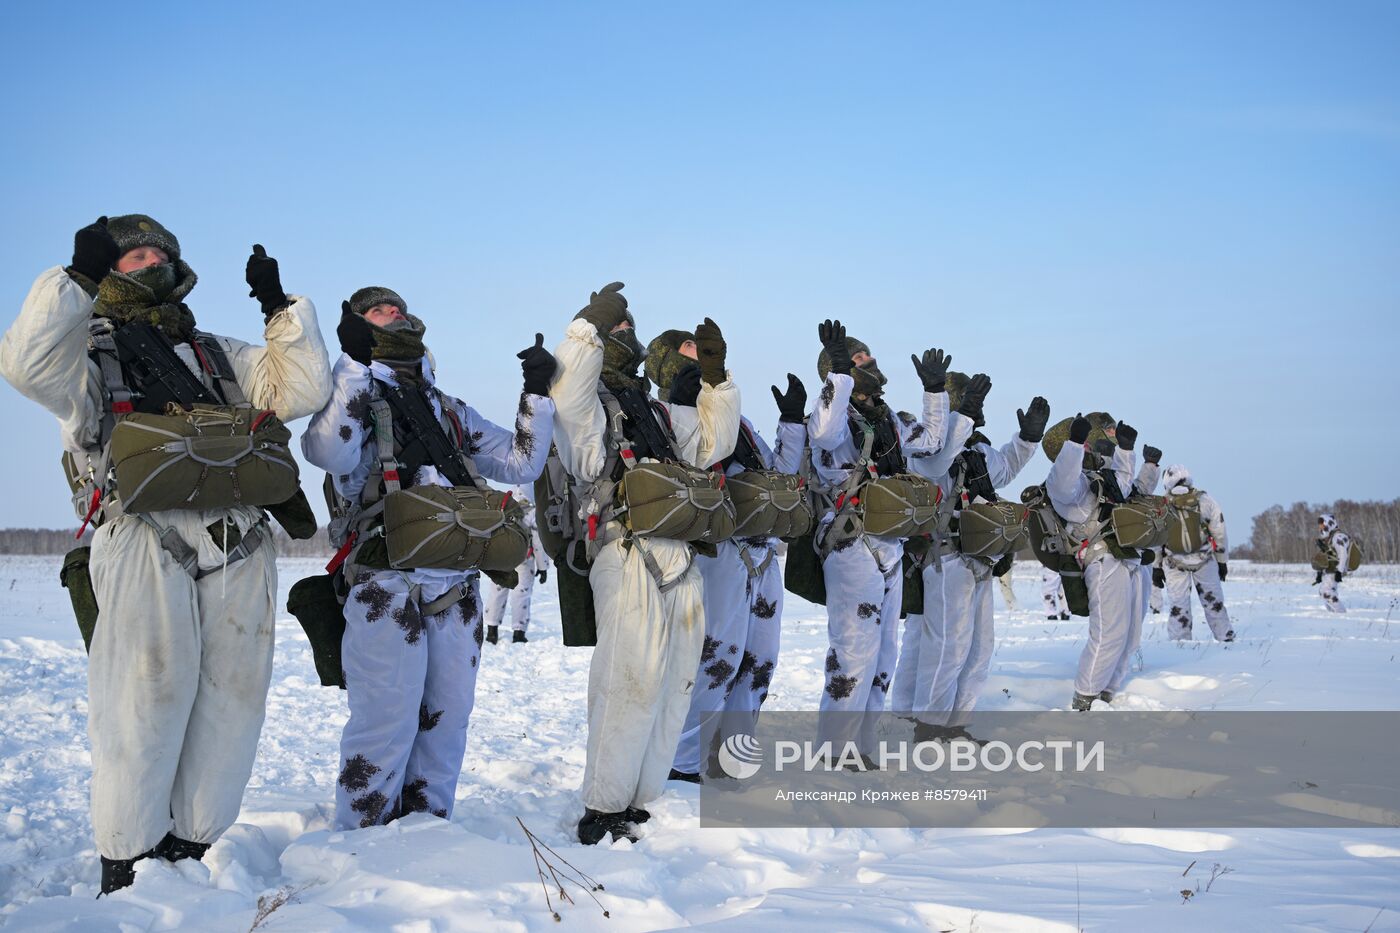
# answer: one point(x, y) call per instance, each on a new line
point(410, 681)
point(519, 597)
point(179, 668)
point(1201, 569)
point(743, 615)
point(1114, 595)
point(649, 640)
point(864, 578)
point(1339, 542)
point(1145, 483)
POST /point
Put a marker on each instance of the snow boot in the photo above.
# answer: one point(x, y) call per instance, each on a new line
point(1229, 637)
point(961, 733)
point(118, 873)
point(518, 638)
point(1064, 617)
point(1106, 696)
point(172, 848)
point(1081, 703)
point(690, 777)
point(493, 632)
point(927, 732)
point(637, 815)
point(1052, 617)
point(597, 824)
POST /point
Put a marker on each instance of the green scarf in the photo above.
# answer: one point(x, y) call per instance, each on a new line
point(402, 349)
point(154, 295)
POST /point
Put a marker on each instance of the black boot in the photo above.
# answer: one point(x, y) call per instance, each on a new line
point(1081, 702)
point(118, 873)
point(518, 637)
point(1106, 696)
point(172, 848)
point(1064, 617)
point(690, 777)
point(597, 824)
point(637, 815)
point(492, 633)
point(927, 732)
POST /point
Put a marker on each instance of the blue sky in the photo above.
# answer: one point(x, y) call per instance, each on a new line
point(1186, 213)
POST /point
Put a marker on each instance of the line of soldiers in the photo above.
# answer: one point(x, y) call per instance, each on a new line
point(176, 448)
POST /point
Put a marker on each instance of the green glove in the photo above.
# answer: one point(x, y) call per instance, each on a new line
point(607, 308)
point(710, 348)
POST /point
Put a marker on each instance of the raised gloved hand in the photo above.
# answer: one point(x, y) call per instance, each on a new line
point(356, 335)
point(933, 369)
point(1126, 435)
point(543, 574)
point(833, 338)
point(1151, 454)
point(264, 282)
point(538, 366)
point(94, 250)
point(607, 308)
point(685, 386)
point(973, 395)
point(1224, 569)
point(1034, 420)
point(792, 404)
point(1079, 429)
point(1159, 577)
point(710, 349)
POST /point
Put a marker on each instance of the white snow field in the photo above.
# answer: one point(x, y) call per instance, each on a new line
point(281, 868)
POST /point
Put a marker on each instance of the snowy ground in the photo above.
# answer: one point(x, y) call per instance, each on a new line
point(525, 759)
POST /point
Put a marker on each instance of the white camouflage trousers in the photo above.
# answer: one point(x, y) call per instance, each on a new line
point(1330, 591)
point(639, 682)
point(956, 640)
point(410, 681)
point(519, 599)
point(1113, 604)
point(177, 683)
point(864, 585)
point(743, 617)
point(1052, 593)
point(1206, 580)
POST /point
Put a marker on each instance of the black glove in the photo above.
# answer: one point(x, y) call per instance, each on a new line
point(685, 386)
point(1337, 576)
point(94, 250)
point(710, 348)
point(792, 405)
point(833, 338)
point(1224, 569)
point(973, 395)
point(1151, 454)
point(933, 369)
point(543, 575)
point(264, 283)
point(356, 336)
point(1318, 579)
point(606, 309)
point(1033, 422)
point(1159, 577)
point(538, 365)
point(1002, 567)
point(1079, 429)
point(1126, 435)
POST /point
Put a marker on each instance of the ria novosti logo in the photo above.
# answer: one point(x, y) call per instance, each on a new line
point(740, 756)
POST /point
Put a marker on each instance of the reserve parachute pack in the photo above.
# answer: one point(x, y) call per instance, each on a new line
point(655, 496)
point(766, 503)
point(976, 521)
point(1325, 560)
point(1142, 522)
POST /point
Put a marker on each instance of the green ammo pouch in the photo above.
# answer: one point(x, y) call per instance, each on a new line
point(991, 529)
point(768, 503)
point(313, 601)
point(802, 571)
point(1141, 522)
point(900, 506)
point(210, 457)
point(78, 582)
point(676, 502)
point(454, 528)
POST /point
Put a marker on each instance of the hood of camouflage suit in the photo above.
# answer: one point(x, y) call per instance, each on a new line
point(1329, 524)
point(1176, 475)
point(1101, 423)
point(664, 359)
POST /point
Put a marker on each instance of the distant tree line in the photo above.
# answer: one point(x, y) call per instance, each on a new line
point(1287, 535)
point(61, 541)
